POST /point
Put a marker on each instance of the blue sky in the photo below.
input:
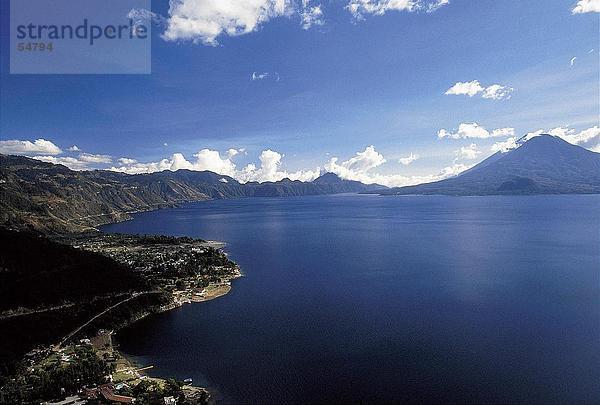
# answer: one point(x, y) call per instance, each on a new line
point(376, 77)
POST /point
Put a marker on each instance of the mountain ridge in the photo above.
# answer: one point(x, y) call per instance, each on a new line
point(46, 197)
point(542, 165)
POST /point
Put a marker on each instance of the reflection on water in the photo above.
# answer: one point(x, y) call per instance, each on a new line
point(350, 298)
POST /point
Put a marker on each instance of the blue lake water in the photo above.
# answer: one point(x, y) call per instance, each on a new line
point(351, 298)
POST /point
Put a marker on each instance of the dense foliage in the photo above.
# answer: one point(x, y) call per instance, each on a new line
point(36, 271)
point(56, 380)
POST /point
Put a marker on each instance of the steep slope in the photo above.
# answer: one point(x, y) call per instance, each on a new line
point(542, 165)
point(42, 196)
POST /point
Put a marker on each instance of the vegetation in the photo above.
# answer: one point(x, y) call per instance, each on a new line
point(51, 198)
point(56, 379)
point(36, 271)
point(75, 285)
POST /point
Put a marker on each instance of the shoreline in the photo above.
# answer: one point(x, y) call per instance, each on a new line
point(143, 371)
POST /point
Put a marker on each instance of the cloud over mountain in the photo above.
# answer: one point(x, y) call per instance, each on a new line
point(37, 147)
point(474, 130)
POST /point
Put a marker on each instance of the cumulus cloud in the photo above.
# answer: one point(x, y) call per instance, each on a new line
point(586, 6)
point(465, 88)
point(365, 160)
point(474, 130)
point(139, 168)
point(505, 146)
point(91, 158)
point(85, 161)
point(588, 138)
point(71, 162)
point(37, 147)
point(269, 169)
point(127, 161)
point(408, 159)
point(74, 148)
point(468, 152)
point(203, 21)
point(473, 88)
point(211, 160)
point(361, 167)
point(360, 8)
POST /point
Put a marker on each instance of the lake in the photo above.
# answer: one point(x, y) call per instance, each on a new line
point(350, 298)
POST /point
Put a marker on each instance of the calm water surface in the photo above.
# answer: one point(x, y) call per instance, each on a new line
point(354, 298)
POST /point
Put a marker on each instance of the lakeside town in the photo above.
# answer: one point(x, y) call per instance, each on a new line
point(85, 365)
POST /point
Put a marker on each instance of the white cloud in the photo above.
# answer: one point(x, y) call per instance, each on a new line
point(211, 160)
point(505, 146)
point(311, 15)
point(91, 158)
point(270, 170)
point(361, 168)
point(136, 167)
point(264, 76)
point(179, 162)
point(71, 162)
point(497, 92)
point(572, 61)
point(588, 138)
point(586, 6)
point(408, 159)
point(203, 21)
point(360, 8)
point(259, 76)
point(451, 171)
point(37, 147)
point(502, 132)
point(474, 130)
point(365, 160)
point(127, 161)
point(465, 88)
point(434, 5)
point(232, 152)
point(74, 148)
point(468, 152)
point(367, 176)
point(472, 88)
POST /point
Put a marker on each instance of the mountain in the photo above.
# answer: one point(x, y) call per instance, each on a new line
point(43, 196)
point(542, 165)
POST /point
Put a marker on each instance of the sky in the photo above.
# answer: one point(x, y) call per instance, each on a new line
point(390, 91)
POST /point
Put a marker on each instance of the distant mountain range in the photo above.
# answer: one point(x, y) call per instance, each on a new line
point(47, 197)
point(542, 165)
point(52, 198)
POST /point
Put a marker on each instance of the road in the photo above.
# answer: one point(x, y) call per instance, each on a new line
point(73, 333)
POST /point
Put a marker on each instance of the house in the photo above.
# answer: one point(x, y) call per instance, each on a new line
point(106, 391)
